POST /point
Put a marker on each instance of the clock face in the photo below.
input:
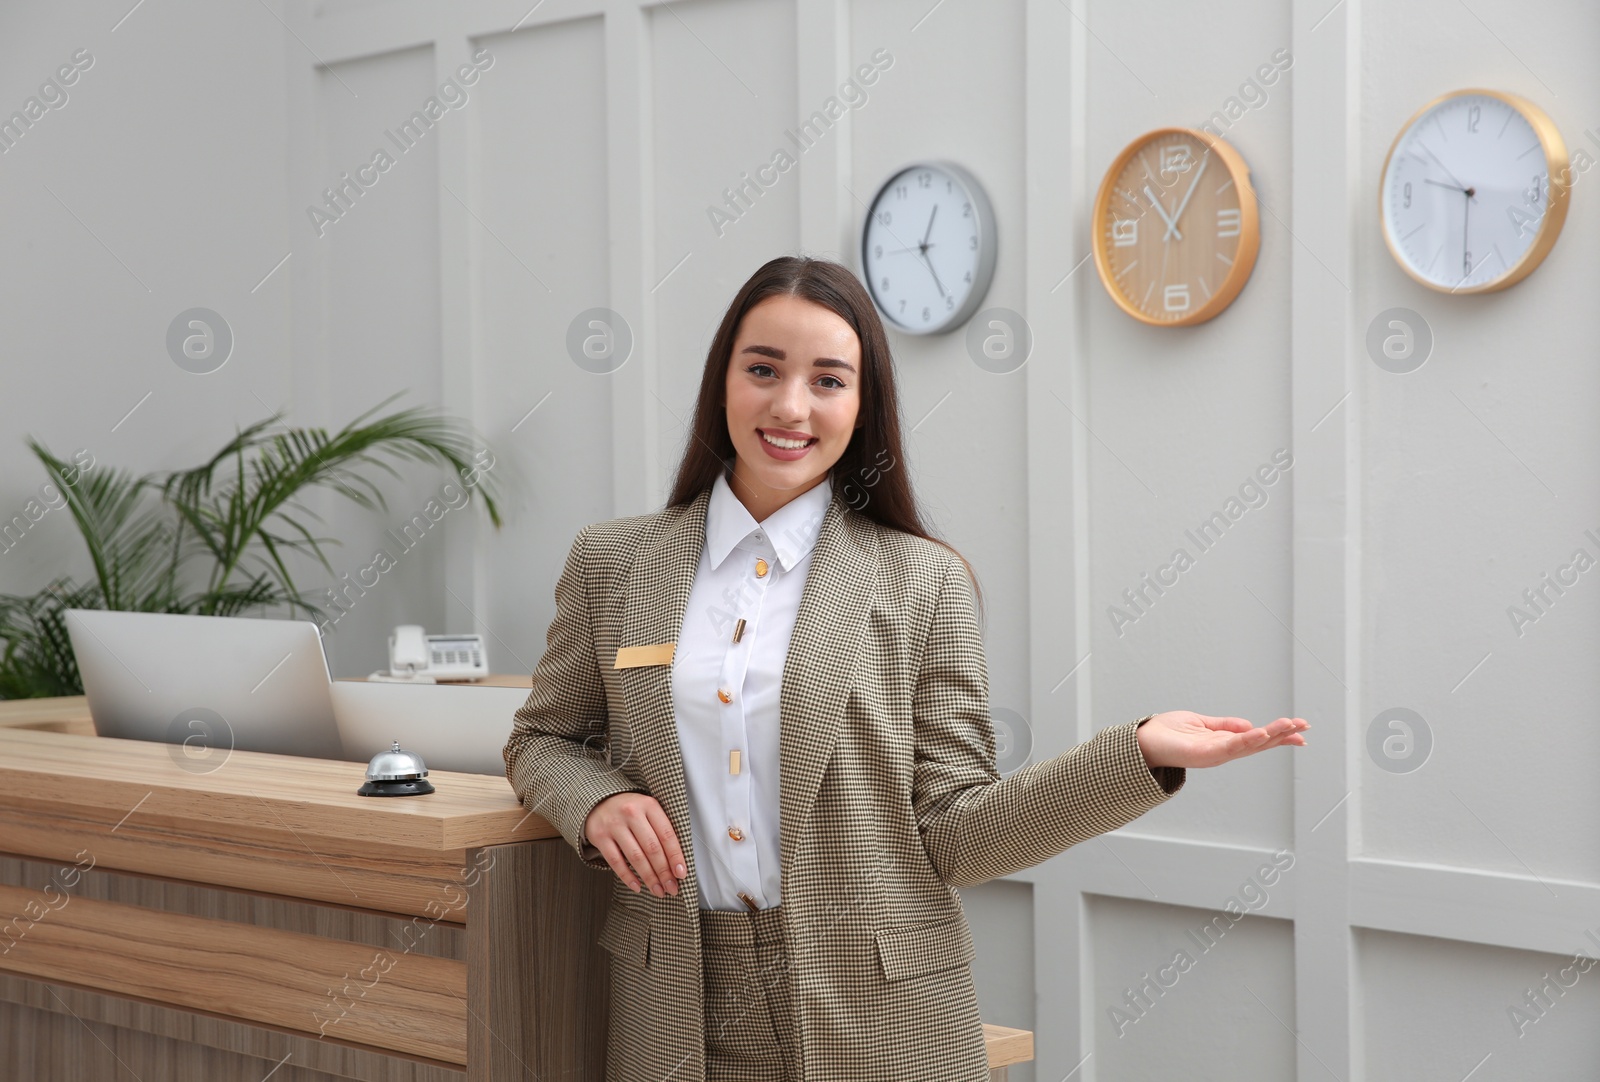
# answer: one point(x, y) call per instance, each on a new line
point(928, 248)
point(1176, 228)
point(1466, 196)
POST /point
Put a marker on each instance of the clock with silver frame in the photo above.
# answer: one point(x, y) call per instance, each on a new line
point(928, 247)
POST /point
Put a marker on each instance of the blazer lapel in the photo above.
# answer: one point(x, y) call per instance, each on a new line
point(822, 659)
point(658, 594)
point(819, 669)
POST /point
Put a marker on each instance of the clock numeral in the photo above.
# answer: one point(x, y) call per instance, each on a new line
point(877, 251)
point(902, 307)
point(883, 217)
point(949, 303)
point(968, 277)
point(1175, 298)
point(1407, 203)
point(1228, 223)
point(974, 244)
point(925, 180)
point(1474, 114)
point(966, 210)
point(1532, 195)
point(899, 191)
point(926, 315)
point(885, 286)
point(1124, 232)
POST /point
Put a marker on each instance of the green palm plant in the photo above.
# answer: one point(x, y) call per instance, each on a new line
point(216, 539)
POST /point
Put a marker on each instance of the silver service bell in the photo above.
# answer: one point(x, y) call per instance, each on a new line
point(396, 773)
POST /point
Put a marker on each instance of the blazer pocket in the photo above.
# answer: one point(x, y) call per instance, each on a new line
point(908, 950)
point(626, 933)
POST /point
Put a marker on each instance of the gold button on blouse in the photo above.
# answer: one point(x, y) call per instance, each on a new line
point(722, 693)
point(761, 569)
point(736, 834)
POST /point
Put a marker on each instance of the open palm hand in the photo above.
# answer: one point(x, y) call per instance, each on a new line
point(1184, 738)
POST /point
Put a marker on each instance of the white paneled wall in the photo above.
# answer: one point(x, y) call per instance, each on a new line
point(1417, 925)
point(1187, 994)
point(537, 188)
point(1479, 483)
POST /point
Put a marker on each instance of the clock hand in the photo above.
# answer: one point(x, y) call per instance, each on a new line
point(929, 233)
point(1204, 158)
point(1165, 253)
point(918, 249)
point(1466, 255)
point(1440, 164)
point(933, 272)
point(1172, 226)
point(1442, 184)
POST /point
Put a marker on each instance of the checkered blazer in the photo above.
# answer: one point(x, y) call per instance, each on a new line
point(890, 798)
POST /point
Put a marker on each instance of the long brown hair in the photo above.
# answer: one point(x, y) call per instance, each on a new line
point(873, 462)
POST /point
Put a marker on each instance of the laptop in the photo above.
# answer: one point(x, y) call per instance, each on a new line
point(207, 682)
point(460, 727)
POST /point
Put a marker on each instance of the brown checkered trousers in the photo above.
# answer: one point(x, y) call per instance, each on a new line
point(889, 796)
point(750, 1028)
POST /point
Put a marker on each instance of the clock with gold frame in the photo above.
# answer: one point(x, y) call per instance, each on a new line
point(1176, 228)
point(1474, 191)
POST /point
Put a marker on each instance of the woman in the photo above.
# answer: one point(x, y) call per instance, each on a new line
point(787, 678)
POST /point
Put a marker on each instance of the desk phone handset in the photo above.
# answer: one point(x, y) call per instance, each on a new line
point(415, 657)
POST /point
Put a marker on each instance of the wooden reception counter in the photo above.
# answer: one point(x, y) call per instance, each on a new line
point(258, 917)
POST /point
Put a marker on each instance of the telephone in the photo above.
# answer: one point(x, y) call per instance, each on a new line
point(416, 657)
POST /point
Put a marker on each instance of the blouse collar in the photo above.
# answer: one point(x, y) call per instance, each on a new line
point(789, 533)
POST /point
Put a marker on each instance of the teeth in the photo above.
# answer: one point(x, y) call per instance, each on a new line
point(792, 445)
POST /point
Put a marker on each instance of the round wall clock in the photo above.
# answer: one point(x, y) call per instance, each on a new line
point(1474, 191)
point(928, 247)
point(1175, 227)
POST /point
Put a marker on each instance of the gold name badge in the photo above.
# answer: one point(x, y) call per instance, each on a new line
point(631, 657)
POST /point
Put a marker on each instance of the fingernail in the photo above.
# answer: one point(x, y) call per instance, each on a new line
point(680, 870)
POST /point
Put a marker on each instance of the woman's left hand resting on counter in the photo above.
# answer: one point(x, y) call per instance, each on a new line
point(1184, 738)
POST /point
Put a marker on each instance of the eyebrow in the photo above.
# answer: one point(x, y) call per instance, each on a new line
point(821, 362)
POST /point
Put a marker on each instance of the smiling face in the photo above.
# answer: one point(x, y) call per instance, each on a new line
point(792, 396)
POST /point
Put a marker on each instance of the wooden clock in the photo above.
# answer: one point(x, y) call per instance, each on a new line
point(1474, 191)
point(1176, 229)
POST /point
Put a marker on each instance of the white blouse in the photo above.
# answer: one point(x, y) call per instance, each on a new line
point(727, 675)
